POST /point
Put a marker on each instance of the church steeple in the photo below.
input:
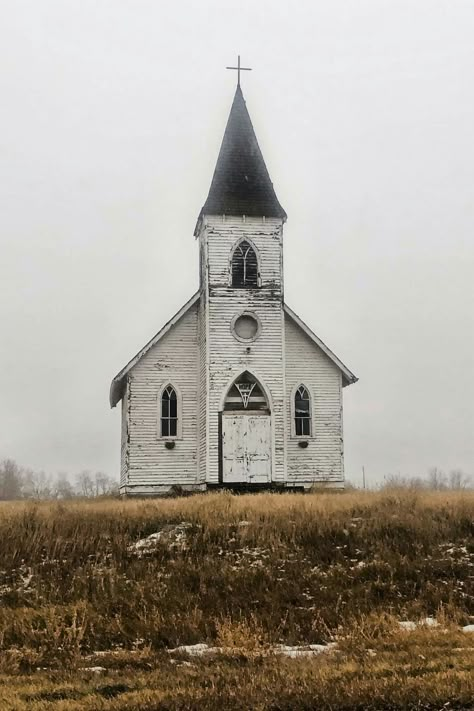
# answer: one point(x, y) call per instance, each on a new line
point(241, 184)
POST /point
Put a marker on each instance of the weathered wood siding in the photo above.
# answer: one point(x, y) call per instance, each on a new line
point(306, 364)
point(124, 440)
point(202, 389)
point(227, 356)
point(174, 359)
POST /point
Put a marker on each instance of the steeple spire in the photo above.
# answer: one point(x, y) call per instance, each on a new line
point(241, 184)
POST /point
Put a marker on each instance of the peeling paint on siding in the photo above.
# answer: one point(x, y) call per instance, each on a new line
point(124, 439)
point(306, 364)
point(229, 357)
point(200, 356)
point(150, 463)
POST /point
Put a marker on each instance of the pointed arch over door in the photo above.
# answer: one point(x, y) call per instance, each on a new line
point(246, 433)
point(244, 269)
point(246, 393)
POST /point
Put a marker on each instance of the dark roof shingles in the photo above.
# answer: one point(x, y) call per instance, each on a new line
point(241, 184)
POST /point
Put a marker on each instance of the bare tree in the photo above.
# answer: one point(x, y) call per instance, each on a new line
point(36, 485)
point(459, 480)
point(63, 489)
point(85, 483)
point(11, 479)
point(397, 481)
point(437, 479)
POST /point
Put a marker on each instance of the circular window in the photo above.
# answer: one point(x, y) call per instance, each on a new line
point(245, 327)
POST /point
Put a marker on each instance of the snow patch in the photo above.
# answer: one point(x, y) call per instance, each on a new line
point(195, 650)
point(410, 625)
point(407, 625)
point(175, 536)
point(307, 650)
point(303, 650)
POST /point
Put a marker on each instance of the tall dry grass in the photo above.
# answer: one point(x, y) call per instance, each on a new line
point(300, 567)
point(246, 573)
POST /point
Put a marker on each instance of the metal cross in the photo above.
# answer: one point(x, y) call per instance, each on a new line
point(239, 69)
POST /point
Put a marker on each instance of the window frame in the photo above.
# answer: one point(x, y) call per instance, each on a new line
point(294, 392)
point(179, 413)
point(231, 259)
point(252, 315)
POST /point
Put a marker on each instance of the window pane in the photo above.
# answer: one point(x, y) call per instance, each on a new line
point(238, 269)
point(251, 269)
point(164, 427)
point(305, 426)
point(173, 408)
point(173, 427)
point(246, 327)
point(244, 267)
point(298, 426)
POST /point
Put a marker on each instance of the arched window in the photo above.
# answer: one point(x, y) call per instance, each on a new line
point(169, 412)
point(302, 412)
point(244, 267)
point(246, 393)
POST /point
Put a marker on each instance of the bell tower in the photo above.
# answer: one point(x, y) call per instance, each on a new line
point(241, 318)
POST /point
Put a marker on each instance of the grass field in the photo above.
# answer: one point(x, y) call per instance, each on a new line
point(95, 595)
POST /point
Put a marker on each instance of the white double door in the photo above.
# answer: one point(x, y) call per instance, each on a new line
point(246, 448)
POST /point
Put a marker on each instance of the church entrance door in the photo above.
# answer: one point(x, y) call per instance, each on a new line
point(246, 433)
point(246, 448)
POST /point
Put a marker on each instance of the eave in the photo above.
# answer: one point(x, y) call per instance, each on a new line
point(348, 378)
point(117, 386)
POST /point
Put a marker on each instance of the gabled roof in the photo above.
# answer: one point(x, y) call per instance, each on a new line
point(118, 383)
point(241, 184)
point(347, 377)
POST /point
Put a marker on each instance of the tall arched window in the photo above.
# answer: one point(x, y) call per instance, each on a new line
point(169, 412)
point(244, 267)
point(302, 412)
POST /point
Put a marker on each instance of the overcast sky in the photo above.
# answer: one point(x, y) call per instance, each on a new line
point(111, 117)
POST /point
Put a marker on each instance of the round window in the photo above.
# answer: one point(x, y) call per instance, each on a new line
point(245, 327)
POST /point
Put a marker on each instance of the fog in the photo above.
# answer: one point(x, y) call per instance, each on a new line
point(111, 118)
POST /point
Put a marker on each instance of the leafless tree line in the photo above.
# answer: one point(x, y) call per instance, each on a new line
point(17, 482)
point(437, 480)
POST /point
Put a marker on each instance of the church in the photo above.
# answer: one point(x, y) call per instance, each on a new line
point(235, 391)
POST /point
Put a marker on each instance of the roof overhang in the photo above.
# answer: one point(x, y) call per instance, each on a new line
point(347, 377)
point(117, 387)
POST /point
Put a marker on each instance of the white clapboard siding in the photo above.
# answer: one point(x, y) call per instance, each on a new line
point(202, 390)
point(227, 356)
point(174, 359)
point(306, 364)
point(124, 439)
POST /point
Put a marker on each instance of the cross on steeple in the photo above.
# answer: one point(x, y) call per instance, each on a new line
point(239, 69)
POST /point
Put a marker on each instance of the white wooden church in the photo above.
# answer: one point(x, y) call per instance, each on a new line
point(235, 390)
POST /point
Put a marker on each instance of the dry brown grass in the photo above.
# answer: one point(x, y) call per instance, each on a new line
point(299, 570)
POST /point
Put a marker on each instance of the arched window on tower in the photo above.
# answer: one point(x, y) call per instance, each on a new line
point(169, 412)
point(244, 268)
point(302, 412)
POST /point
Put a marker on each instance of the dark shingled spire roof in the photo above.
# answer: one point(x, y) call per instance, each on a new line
point(241, 184)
